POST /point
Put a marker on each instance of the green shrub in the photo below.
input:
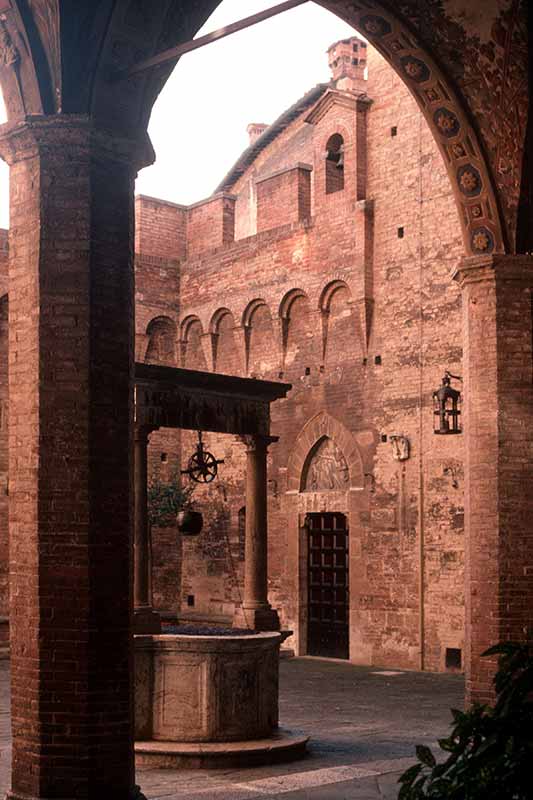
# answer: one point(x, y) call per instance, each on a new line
point(490, 748)
point(166, 499)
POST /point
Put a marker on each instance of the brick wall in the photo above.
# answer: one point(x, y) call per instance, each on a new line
point(210, 224)
point(160, 228)
point(417, 334)
point(369, 360)
point(362, 318)
point(213, 563)
point(284, 197)
point(293, 145)
point(4, 554)
point(160, 246)
point(164, 464)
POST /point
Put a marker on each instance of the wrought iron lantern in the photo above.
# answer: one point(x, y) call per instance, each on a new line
point(446, 403)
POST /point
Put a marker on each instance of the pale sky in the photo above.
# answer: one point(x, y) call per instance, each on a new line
point(198, 125)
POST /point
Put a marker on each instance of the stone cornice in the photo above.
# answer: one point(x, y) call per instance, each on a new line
point(334, 97)
point(257, 442)
point(298, 166)
point(498, 267)
point(20, 141)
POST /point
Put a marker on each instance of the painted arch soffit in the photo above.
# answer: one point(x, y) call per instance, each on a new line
point(58, 45)
point(72, 57)
point(477, 67)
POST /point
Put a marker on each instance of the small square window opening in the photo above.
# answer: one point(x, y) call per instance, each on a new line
point(453, 658)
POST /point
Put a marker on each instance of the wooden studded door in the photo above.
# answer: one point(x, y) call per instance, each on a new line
point(328, 615)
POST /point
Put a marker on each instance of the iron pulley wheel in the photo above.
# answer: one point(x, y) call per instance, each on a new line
point(202, 467)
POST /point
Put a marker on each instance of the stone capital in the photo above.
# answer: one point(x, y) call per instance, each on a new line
point(257, 441)
point(142, 432)
point(497, 268)
point(38, 135)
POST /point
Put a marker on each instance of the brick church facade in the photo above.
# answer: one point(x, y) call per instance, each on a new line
point(323, 259)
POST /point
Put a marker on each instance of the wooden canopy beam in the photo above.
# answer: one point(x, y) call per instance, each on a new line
point(175, 52)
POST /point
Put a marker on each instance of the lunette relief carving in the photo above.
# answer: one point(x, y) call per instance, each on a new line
point(327, 469)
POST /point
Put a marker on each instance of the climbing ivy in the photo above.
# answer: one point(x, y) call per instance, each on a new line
point(165, 499)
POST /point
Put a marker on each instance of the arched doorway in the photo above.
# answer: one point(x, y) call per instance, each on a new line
point(324, 502)
point(327, 545)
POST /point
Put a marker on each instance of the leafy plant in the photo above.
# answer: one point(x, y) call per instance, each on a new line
point(490, 748)
point(165, 499)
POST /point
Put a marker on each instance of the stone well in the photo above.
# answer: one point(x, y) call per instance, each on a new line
point(209, 700)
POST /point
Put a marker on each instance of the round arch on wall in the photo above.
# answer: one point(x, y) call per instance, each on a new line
point(288, 300)
point(186, 325)
point(250, 310)
point(160, 327)
point(338, 130)
point(160, 323)
point(327, 293)
point(188, 345)
point(335, 155)
point(320, 427)
point(217, 318)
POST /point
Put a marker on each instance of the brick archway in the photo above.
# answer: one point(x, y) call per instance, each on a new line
point(482, 148)
point(318, 427)
point(67, 111)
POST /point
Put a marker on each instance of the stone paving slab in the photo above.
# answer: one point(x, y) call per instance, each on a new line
point(377, 777)
point(363, 724)
point(357, 783)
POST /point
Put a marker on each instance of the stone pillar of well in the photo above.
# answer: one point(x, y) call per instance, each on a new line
point(145, 619)
point(71, 331)
point(255, 611)
point(498, 425)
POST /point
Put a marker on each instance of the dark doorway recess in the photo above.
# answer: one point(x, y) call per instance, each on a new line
point(328, 586)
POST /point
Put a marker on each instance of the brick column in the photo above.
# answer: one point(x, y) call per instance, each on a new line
point(256, 611)
point(145, 619)
point(70, 400)
point(498, 392)
point(4, 546)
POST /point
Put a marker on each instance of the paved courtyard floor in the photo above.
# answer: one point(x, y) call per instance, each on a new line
point(363, 723)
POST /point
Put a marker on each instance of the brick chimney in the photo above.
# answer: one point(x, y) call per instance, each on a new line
point(347, 61)
point(255, 129)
